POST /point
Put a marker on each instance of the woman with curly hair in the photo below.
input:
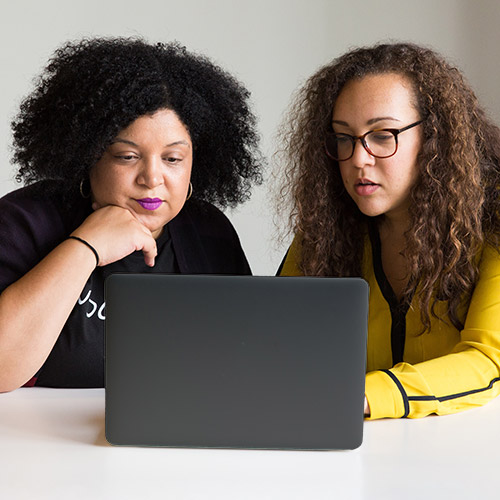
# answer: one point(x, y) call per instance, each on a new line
point(124, 146)
point(394, 175)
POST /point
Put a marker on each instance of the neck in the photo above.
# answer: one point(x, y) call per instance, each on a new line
point(394, 225)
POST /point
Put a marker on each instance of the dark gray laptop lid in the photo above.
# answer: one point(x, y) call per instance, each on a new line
point(235, 361)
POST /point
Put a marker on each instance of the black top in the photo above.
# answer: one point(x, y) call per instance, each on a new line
point(398, 308)
point(199, 240)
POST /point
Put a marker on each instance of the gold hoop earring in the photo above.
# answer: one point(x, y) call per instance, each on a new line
point(190, 191)
point(84, 195)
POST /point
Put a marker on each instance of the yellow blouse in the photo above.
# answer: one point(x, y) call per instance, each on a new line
point(442, 371)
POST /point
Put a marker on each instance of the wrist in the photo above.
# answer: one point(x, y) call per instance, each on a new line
point(88, 245)
point(367, 408)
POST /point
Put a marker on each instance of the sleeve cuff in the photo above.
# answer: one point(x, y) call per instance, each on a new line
point(384, 397)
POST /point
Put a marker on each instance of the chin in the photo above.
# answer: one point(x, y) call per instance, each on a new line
point(156, 231)
point(370, 211)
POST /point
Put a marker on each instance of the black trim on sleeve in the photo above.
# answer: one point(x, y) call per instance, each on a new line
point(401, 390)
point(454, 396)
point(398, 309)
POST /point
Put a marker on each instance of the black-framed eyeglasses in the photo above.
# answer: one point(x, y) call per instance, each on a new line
point(380, 143)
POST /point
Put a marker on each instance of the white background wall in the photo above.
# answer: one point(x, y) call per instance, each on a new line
point(270, 45)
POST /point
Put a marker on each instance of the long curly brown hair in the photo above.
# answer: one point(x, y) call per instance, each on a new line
point(455, 205)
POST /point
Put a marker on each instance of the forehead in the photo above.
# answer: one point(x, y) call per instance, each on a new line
point(387, 94)
point(154, 130)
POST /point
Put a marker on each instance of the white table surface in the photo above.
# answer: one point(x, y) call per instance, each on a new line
point(52, 446)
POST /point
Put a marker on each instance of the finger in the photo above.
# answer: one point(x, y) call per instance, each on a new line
point(150, 251)
point(97, 206)
point(142, 224)
point(138, 218)
point(146, 230)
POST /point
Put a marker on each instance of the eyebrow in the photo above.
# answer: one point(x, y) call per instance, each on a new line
point(125, 141)
point(369, 122)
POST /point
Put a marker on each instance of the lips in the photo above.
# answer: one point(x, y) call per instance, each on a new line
point(150, 203)
point(365, 187)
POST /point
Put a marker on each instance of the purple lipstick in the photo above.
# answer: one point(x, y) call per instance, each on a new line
point(150, 203)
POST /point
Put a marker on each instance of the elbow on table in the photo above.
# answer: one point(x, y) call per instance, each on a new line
point(10, 380)
point(8, 387)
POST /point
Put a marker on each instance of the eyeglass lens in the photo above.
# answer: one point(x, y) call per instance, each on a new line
point(379, 143)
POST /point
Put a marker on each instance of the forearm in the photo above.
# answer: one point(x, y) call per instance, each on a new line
point(34, 309)
point(449, 384)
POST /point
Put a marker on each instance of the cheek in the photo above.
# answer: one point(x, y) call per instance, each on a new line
point(344, 171)
point(96, 182)
point(178, 184)
point(94, 175)
point(109, 186)
point(407, 167)
point(406, 175)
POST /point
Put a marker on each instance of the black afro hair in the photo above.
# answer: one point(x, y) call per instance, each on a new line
point(94, 88)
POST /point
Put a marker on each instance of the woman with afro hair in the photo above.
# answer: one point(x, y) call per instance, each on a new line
point(123, 147)
point(393, 172)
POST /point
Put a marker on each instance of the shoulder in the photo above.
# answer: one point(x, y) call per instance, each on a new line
point(490, 253)
point(38, 208)
point(489, 263)
point(32, 193)
point(27, 207)
point(38, 197)
point(33, 220)
point(290, 264)
point(483, 306)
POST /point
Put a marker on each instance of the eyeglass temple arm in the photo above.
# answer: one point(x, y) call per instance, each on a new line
point(409, 126)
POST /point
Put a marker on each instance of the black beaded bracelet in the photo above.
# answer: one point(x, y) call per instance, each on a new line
point(89, 245)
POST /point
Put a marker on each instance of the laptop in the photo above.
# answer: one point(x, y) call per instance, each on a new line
point(235, 361)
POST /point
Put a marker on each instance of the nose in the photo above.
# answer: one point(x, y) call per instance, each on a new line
point(150, 174)
point(361, 157)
